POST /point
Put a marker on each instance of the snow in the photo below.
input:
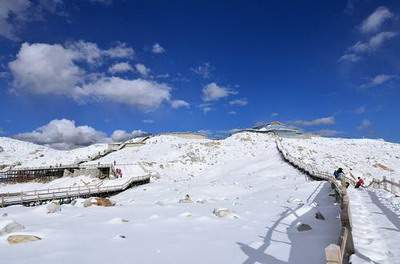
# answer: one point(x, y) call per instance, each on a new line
point(375, 229)
point(367, 158)
point(266, 199)
point(25, 154)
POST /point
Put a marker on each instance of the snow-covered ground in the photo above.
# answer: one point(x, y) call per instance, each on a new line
point(25, 154)
point(367, 158)
point(265, 200)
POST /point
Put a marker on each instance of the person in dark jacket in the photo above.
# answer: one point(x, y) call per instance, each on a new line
point(360, 183)
point(338, 173)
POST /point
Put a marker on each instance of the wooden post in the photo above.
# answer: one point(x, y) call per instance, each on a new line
point(392, 187)
point(384, 183)
point(332, 254)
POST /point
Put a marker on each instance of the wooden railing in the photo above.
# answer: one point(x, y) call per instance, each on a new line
point(335, 253)
point(7, 199)
point(387, 185)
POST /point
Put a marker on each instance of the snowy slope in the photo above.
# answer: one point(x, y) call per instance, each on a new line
point(266, 199)
point(21, 153)
point(361, 157)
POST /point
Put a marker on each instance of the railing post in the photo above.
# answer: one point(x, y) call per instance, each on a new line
point(384, 183)
point(332, 254)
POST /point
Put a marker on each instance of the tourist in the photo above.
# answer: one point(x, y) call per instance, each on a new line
point(360, 183)
point(338, 174)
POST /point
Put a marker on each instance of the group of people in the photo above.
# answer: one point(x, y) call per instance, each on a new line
point(339, 174)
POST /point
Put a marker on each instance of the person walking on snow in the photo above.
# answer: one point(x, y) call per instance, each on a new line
point(360, 183)
point(338, 174)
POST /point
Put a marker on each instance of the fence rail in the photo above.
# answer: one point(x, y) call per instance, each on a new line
point(335, 253)
point(7, 199)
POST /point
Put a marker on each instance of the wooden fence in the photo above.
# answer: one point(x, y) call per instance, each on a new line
point(387, 185)
point(335, 253)
point(27, 197)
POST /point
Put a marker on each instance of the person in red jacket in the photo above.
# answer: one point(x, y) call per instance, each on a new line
point(359, 183)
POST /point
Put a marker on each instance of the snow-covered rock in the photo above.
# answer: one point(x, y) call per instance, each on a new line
point(53, 207)
point(17, 239)
point(9, 226)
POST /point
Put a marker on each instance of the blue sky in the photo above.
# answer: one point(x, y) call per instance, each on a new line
point(76, 71)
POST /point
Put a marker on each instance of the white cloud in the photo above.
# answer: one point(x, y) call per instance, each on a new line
point(142, 94)
point(360, 110)
point(239, 102)
point(350, 58)
point(63, 133)
point(148, 121)
point(46, 69)
point(120, 67)
point(330, 120)
point(12, 12)
point(53, 69)
point(232, 112)
point(274, 114)
point(204, 70)
point(328, 132)
point(179, 103)
point(374, 43)
point(214, 92)
point(157, 49)
point(365, 124)
point(122, 135)
point(375, 21)
point(121, 50)
point(142, 69)
point(379, 80)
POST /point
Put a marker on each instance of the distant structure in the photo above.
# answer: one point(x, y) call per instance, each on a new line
point(276, 128)
point(186, 135)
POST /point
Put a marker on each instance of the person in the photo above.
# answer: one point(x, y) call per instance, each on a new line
point(360, 183)
point(338, 173)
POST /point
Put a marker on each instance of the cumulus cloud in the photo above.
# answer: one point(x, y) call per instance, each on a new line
point(204, 70)
point(55, 69)
point(157, 49)
point(214, 92)
point(122, 135)
point(374, 22)
point(142, 94)
point(120, 67)
point(46, 69)
point(239, 102)
point(63, 133)
point(330, 120)
point(142, 69)
point(179, 103)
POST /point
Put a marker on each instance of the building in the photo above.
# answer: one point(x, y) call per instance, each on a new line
point(276, 128)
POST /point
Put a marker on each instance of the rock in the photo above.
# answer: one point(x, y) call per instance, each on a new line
point(104, 202)
point(303, 227)
point(9, 226)
point(17, 239)
point(319, 216)
point(224, 212)
point(187, 199)
point(53, 207)
point(88, 202)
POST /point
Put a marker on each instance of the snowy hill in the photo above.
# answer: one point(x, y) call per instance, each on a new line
point(367, 158)
point(21, 153)
point(245, 205)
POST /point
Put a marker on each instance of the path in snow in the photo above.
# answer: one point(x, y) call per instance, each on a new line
point(376, 229)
